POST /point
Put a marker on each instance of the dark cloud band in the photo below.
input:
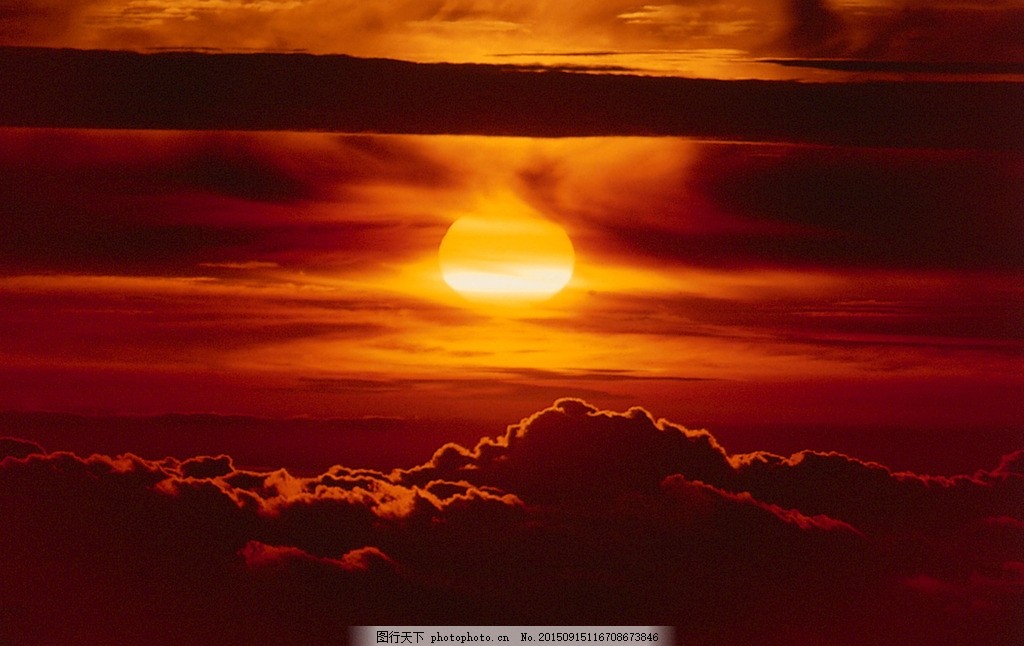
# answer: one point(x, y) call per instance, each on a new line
point(193, 91)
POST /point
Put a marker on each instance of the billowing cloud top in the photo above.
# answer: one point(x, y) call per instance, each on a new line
point(575, 515)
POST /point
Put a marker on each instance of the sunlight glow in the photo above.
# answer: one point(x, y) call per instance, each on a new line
point(509, 256)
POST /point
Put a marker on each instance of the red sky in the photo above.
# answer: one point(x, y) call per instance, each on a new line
point(282, 274)
point(827, 276)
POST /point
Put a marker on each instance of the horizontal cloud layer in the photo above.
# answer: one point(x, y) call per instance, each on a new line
point(970, 30)
point(268, 91)
point(574, 515)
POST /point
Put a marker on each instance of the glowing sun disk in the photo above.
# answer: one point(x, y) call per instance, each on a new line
point(506, 257)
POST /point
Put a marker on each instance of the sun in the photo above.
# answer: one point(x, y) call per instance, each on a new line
point(506, 257)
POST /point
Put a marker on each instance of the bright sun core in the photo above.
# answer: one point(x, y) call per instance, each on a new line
point(506, 257)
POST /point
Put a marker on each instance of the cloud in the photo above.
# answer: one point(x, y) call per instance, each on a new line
point(189, 203)
point(815, 29)
point(945, 31)
point(186, 522)
point(206, 466)
point(572, 451)
point(42, 21)
point(18, 448)
point(473, 387)
point(808, 206)
point(697, 257)
point(260, 555)
point(975, 30)
point(104, 89)
point(736, 206)
point(574, 515)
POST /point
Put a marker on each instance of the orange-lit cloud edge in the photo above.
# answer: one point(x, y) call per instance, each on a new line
point(574, 516)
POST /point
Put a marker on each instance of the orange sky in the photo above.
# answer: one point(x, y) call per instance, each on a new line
point(297, 274)
point(701, 38)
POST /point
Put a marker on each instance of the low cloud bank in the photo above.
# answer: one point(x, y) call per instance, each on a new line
point(575, 515)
